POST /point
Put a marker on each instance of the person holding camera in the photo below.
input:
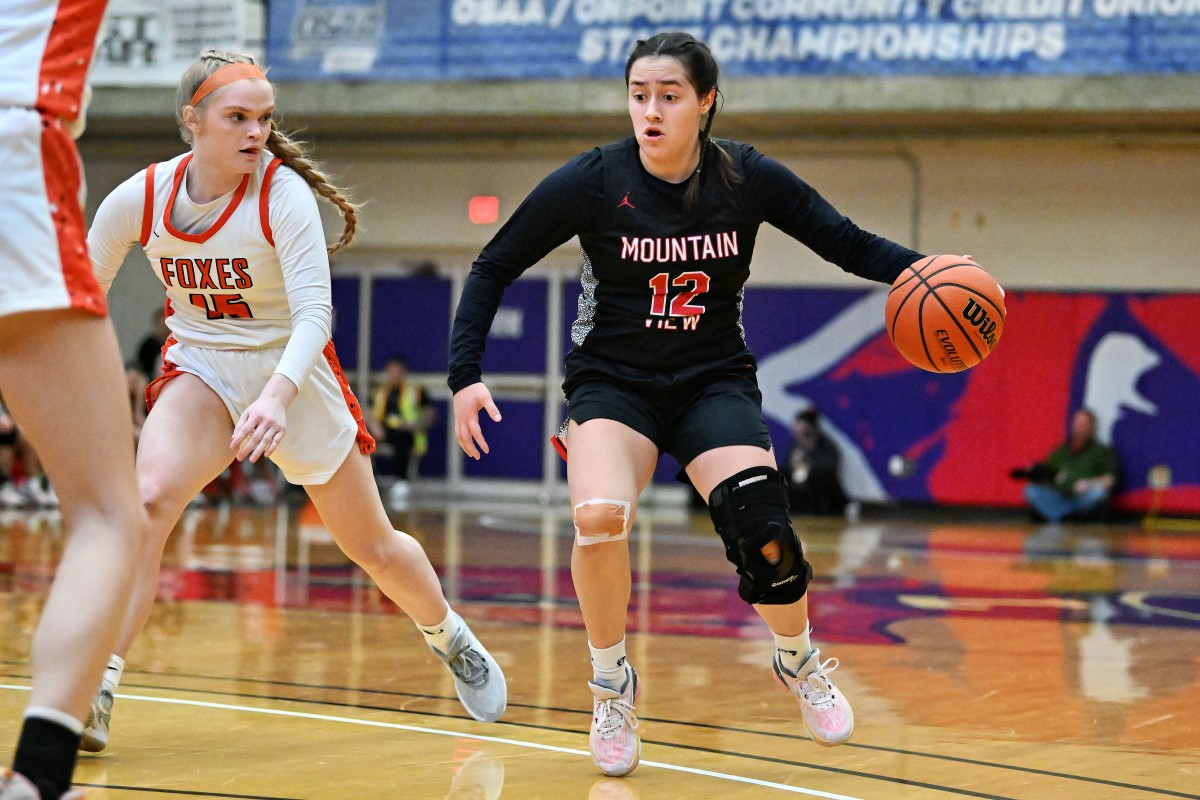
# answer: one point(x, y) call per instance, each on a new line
point(1077, 480)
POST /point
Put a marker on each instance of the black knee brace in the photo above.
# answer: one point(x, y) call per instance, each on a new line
point(750, 511)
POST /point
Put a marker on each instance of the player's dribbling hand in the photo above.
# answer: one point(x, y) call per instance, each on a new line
point(467, 403)
point(976, 263)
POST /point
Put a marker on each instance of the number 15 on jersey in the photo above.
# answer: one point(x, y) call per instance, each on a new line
point(220, 306)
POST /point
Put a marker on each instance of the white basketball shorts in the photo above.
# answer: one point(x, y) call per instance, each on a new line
point(43, 239)
point(323, 422)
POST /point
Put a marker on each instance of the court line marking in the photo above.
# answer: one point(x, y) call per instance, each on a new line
point(573, 732)
point(459, 734)
point(183, 792)
point(1142, 601)
point(659, 720)
point(660, 743)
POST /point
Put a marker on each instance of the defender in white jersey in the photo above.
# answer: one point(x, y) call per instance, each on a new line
point(62, 378)
point(232, 230)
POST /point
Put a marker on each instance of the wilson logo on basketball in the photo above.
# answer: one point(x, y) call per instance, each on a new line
point(977, 316)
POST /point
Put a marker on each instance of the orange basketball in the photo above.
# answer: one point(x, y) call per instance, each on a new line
point(945, 313)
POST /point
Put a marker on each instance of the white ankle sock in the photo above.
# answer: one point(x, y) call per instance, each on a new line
point(608, 665)
point(793, 650)
point(57, 717)
point(113, 672)
point(441, 635)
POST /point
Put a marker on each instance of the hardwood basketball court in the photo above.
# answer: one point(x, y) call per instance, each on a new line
point(991, 659)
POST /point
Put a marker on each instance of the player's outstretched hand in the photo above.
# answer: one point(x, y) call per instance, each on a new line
point(467, 403)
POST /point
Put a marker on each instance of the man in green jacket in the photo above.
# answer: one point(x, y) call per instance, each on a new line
point(1077, 479)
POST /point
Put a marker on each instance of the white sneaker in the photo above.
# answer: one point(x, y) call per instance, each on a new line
point(263, 492)
point(11, 496)
point(614, 741)
point(478, 679)
point(95, 729)
point(14, 786)
point(826, 712)
point(41, 493)
point(398, 495)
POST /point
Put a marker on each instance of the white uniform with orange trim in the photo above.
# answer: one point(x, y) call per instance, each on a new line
point(248, 295)
point(45, 51)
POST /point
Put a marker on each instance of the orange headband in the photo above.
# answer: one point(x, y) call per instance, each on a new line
point(225, 76)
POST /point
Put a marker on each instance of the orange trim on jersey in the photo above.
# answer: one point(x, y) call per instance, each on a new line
point(264, 200)
point(366, 442)
point(61, 172)
point(67, 55)
point(200, 238)
point(168, 371)
point(226, 75)
point(148, 206)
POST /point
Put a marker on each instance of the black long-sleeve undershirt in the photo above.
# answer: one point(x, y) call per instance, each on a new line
point(662, 284)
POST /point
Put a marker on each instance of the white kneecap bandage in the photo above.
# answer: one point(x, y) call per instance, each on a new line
point(603, 521)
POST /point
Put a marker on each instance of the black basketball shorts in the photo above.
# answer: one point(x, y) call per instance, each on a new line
point(685, 412)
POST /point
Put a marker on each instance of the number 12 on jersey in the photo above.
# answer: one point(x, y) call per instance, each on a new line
point(690, 285)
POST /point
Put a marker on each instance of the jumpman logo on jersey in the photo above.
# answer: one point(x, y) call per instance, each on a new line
point(625, 202)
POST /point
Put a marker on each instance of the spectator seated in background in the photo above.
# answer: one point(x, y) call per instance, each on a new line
point(1077, 480)
point(135, 385)
point(10, 496)
point(811, 468)
point(400, 416)
point(34, 489)
point(149, 352)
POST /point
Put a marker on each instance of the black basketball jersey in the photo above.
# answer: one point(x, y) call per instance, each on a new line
point(662, 285)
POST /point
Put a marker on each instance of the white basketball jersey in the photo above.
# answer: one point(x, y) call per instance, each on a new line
point(224, 283)
point(45, 51)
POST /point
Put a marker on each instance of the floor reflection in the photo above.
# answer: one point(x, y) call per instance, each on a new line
point(515, 562)
point(949, 634)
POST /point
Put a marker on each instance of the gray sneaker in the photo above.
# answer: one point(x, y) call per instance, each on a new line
point(95, 730)
point(477, 677)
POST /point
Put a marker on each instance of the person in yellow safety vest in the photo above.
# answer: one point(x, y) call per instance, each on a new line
point(401, 414)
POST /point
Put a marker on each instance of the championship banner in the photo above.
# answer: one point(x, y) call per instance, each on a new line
point(401, 40)
point(151, 42)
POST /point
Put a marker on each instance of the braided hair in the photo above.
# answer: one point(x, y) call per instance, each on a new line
point(702, 71)
point(290, 151)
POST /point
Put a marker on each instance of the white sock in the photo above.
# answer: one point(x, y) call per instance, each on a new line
point(793, 650)
point(113, 672)
point(608, 665)
point(57, 717)
point(441, 635)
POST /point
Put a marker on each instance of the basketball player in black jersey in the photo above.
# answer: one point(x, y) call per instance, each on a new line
point(667, 220)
